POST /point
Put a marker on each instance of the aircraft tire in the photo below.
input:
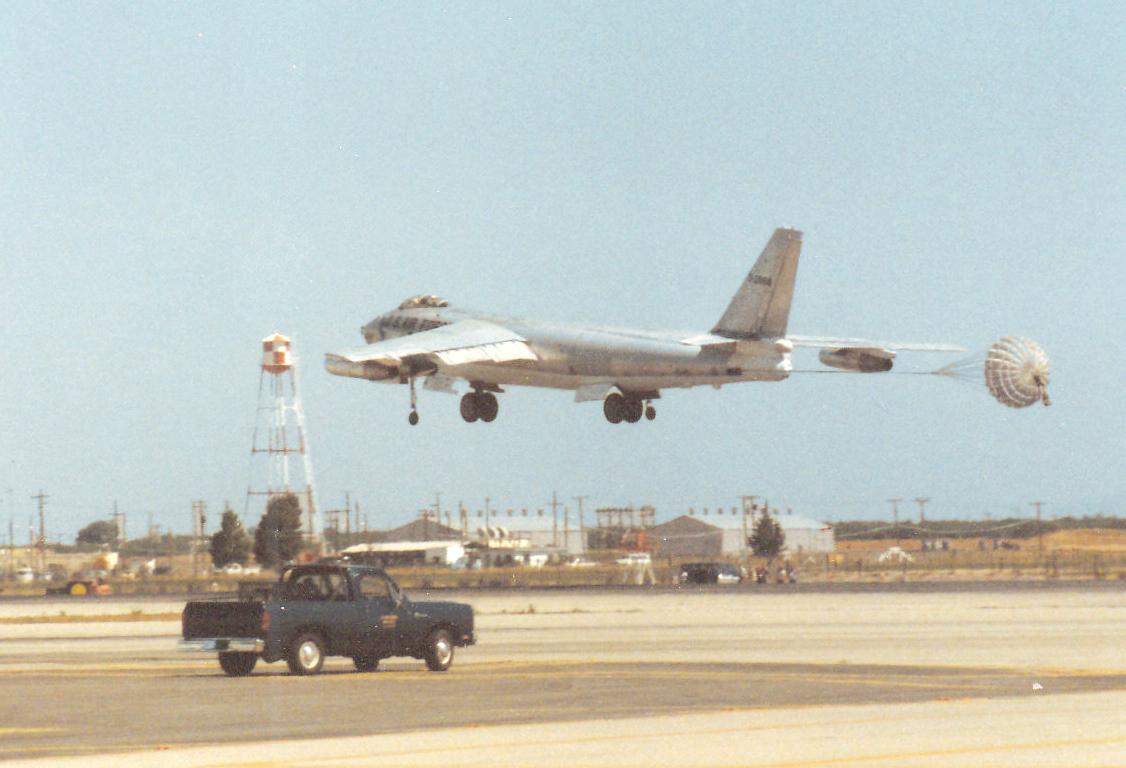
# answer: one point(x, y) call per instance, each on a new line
point(632, 410)
point(613, 407)
point(470, 407)
point(488, 406)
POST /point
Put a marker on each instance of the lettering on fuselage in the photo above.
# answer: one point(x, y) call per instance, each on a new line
point(761, 280)
point(408, 325)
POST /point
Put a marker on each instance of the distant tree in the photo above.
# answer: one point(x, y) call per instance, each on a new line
point(230, 544)
point(767, 537)
point(278, 537)
point(99, 533)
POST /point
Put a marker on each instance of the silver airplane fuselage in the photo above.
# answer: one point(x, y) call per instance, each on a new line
point(572, 357)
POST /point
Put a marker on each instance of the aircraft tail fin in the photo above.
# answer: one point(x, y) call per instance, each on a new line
point(761, 307)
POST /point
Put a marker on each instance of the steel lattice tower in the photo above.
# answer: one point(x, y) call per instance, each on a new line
point(279, 431)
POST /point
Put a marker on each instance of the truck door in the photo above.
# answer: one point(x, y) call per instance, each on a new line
point(380, 614)
point(320, 597)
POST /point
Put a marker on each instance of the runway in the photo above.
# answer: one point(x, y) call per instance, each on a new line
point(1031, 677)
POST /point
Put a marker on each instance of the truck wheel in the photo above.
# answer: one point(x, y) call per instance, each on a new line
point(307, 654)
point(237, 663)
point(366, 661)
point(439, 651)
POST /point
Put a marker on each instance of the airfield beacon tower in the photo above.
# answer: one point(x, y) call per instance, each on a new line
point(279, 431)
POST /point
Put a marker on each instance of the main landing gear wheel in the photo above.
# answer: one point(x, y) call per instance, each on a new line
point(479, 405)
point(613, 407)
point(619, 408)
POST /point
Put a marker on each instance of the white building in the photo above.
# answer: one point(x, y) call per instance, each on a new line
point(803, 536)
point(538, 527)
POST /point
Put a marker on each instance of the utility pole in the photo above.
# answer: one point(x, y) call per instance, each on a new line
point(42, 498)
point(895, 517)
point(582, 527)
point(199, 527)
point(922, 512)
point(1039, 528)
point(555, 504)
point(748, 511)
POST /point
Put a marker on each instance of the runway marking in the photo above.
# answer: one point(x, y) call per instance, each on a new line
point(21, 731)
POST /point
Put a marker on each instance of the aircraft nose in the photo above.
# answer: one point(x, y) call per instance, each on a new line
point(371, 332)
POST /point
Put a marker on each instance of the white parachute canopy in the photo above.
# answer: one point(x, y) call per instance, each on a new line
point(1016, 372)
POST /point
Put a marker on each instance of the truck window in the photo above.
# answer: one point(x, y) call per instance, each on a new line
point(337, 586)
point(307, 586)
point(373, 587)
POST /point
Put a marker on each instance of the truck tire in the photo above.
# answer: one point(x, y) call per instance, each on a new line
point(237, 663)
point(306, 654)
point(366, 661)
point(439, 651)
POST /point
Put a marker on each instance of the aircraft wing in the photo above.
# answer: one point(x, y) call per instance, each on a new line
point(862, 355)
point(830, 342)
point(466, 341)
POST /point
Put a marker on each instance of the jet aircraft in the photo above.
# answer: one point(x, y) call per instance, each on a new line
point(427, 338)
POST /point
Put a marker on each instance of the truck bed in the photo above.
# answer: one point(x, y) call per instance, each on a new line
point(225, 618)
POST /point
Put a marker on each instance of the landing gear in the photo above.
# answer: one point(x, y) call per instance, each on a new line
point(612, 407)
point(628, 408)
point(479, 405)
point(413, 418)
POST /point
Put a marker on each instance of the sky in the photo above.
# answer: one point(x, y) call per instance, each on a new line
point(181, 180)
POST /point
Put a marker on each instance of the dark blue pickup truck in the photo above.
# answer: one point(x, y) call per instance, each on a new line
point(327, 609)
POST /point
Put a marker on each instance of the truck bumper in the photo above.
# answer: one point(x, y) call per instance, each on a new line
point(213, 644)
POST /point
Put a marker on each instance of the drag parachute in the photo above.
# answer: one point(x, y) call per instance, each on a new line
point(1015, 371)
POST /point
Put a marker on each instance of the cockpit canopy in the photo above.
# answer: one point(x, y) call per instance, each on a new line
point(424, 302)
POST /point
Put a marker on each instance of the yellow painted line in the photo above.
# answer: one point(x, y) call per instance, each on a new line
point(21, 731)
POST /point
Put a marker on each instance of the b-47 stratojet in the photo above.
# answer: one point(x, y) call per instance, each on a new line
point(427, 338)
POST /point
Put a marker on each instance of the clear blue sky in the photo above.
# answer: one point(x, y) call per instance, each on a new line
point(182, 179)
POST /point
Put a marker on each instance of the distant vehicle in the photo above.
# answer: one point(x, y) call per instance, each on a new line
point(232, 568)
point(79, 587)
point(895, 555)
point(327, 609)
point(635, 558)
point(580, 562)
point(24, 575)
point(709, 573)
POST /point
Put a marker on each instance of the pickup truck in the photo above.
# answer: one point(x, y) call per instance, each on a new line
point(326, 609)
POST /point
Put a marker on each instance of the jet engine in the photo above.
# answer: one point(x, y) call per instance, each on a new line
point(359, 370)
point(859, 359)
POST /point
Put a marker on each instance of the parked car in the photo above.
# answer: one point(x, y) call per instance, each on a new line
point(710, 573)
